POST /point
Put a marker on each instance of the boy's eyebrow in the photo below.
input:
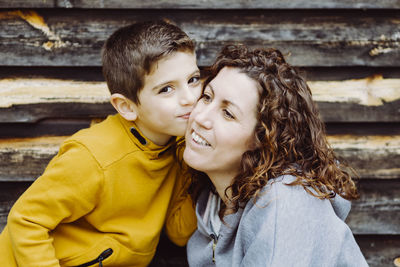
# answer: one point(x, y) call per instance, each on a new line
point(226, 102)
point(196, 71)
point(168, 82)
point(158, 86)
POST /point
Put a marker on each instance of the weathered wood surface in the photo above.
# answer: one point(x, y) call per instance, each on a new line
point(64, 127)
point(29, 100)
point(49, 127)
point(341, 40)
point(24, 159)
point(378, 209)
point(74, 37)
point(376, 212)
point(206, 4)
point(9, 193)
point(372, 99)
point(380, 251)
point(94, 73)
point(370, 156)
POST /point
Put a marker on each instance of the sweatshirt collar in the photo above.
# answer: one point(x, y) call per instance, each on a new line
point(142, 142)
point(229, 224)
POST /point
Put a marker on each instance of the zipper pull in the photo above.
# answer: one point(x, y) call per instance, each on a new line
point(104, 255)
point(214, 245)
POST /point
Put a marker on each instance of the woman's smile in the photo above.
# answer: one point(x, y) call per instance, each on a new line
point(199, 140)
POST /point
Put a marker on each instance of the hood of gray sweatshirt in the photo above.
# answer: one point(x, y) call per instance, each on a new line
point(285, 226)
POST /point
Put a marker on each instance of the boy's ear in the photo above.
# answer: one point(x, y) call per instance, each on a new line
point(125, 107)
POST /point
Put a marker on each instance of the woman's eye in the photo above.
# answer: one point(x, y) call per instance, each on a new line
point(194, 79)
point(205, 97)
point(228, 115)
point(165, 89)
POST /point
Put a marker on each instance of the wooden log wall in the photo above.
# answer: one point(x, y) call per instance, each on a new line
point(51, 84)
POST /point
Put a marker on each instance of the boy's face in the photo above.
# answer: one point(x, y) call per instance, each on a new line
point(170, 91)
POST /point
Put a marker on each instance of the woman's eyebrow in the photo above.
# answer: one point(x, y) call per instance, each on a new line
point(229, 103)
point(196, 71)
point(226, 102)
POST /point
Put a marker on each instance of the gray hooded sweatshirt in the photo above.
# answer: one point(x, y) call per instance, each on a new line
point(286, 227)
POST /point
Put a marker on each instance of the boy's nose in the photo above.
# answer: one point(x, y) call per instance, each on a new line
point(188, 96)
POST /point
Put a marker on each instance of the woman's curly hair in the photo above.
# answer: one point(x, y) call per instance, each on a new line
point(289, 137)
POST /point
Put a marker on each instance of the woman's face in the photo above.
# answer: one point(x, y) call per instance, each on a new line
point(222, 123)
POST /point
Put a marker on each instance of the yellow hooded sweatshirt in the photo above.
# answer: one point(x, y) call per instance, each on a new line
point(104, 197)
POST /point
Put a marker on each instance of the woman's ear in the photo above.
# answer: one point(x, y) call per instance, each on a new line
point(124, 106)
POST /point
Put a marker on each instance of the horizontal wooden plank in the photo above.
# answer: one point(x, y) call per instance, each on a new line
point(376, 212)
point(378, 209)
point(372, 99)
point(337, 128)
point(380, 250)
point(29, 100)
point(25, 159)
point(205, 4)
point(64, 127)
point(94, 74)
point(75, 37)
point(370, 156)
point(9, 193)
point(54, 127)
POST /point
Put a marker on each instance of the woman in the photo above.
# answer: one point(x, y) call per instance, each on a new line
point(268, 188)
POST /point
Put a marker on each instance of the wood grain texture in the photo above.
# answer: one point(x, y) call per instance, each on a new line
point(25, 159)
point(378, 209)
point(370, 156)
point(379, 251)
point(376, 196)
point(372, 99)
point(206, 4)
point(75, 37)
point(9, 193)
point(47, 127)
point(51, 84)
point(29, 100)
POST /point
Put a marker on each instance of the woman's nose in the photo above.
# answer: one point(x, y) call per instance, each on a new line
point(203, 115)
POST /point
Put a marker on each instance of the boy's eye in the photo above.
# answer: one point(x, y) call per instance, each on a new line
point(228, 115)
point(194, 79)
point(165, 89)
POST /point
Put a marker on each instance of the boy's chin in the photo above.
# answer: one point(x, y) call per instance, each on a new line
point(179, 132)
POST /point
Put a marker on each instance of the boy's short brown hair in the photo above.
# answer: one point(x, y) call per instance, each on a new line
point(131, 51)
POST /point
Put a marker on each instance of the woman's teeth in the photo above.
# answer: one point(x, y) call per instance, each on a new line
point(199, 140)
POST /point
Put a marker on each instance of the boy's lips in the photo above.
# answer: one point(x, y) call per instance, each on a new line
point(185, 116)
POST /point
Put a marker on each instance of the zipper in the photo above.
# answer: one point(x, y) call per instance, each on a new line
point(214, 245)
point(104, 255)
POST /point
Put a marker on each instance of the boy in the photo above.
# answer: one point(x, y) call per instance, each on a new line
point(105, 197)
